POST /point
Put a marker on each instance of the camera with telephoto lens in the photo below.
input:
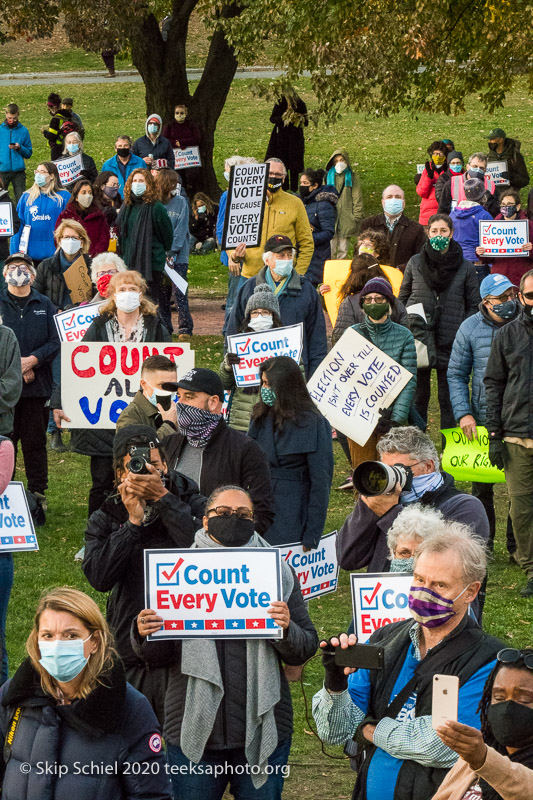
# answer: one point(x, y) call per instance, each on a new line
point(140, 457)
point(373, 478)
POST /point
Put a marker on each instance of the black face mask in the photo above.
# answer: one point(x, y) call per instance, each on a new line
point(231, 531)
point(274, 184)
point(493, 145)
point(164, 401)
point(505, 310)
point(123, 152)
point(511, 723)
point(527, 311)
point(305, 191)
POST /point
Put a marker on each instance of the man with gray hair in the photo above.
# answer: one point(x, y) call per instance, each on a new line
point(406, 237)
point(388, 711)
point(454, 192)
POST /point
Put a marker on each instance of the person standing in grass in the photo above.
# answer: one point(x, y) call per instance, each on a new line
point(15, 149)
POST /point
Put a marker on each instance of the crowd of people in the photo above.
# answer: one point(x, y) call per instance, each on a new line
point(233, 466)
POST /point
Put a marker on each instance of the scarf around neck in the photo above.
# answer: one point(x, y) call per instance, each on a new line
point(141, 238)
point(439, 269)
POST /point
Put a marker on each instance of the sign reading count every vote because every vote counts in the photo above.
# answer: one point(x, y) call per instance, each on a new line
point(245, 204)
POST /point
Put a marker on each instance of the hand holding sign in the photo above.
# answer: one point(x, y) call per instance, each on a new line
point(148, 622)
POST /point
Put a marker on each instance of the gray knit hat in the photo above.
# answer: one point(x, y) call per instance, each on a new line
point(263, 297)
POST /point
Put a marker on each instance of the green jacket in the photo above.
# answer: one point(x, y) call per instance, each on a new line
point(350, 204)
point(141, 412)
point(162, 234)
point(241, 403)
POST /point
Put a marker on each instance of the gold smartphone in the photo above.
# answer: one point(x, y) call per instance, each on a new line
point(445, 701)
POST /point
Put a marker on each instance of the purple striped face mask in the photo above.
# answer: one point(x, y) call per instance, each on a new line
point(430, 608)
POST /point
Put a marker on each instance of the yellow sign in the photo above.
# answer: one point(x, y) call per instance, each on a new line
point(469, 460)
point(335, 274)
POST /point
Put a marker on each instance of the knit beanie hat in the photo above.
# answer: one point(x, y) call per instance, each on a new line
point(455, 154)
point(474, 190)
point(263, 297)
point(378, 286)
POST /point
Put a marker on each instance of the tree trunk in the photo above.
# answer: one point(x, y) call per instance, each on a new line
point(163, 68)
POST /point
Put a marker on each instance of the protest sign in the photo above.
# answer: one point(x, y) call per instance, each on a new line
point(16, 524)
point(72, 324)
point(186, 158)
point(254, 348)
point(69, 168)
point(378, 599)
point(504, 238)
point(24, 239)
point(99, 379)
point(176, 278)
point(214, 594)
point(245, 204)
point(353, 382)
point(335, 274)
point(79, 281)
point(317, 570)
point(495, 169)
point(469, 460)
point(420, 169)
point(6, 219)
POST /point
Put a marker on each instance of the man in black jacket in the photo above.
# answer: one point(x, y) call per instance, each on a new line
point(211, 453)
point(405, 236)
point(31, 316)
point(508, 386)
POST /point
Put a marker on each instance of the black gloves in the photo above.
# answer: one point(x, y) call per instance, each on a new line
point(496, 453)
point(385, 422)
point(230, 359)
point(335, 680)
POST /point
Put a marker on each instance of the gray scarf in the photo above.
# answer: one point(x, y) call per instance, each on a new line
point(205, 688)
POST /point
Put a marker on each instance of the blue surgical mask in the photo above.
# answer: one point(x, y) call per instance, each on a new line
point(226, 175)
point(393, 205)
point(73, 148)
point(476, 172)
point(153, 128)
point(402, 564)
point(456, 168)
point(40, 179)
point(201, 209)
point(63, 660)
point(138, 188)
point(268, 395)
point(421, 484)
point(284, 268)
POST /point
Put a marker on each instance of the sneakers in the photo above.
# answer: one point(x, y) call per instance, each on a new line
point(184, 337)
point(527, 591)
point(80, 555)
point(56, 442)
point(347, 484)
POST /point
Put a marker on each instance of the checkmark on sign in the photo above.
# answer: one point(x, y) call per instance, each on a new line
point(168, 573)
point(244, 347)
point(370, 600)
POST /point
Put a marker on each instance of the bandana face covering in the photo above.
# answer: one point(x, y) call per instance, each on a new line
point(268, 395)
point(196, 424)
point(430, 608)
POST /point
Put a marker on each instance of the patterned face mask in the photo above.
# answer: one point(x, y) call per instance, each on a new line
point(430, 608)
point(197, 424)
point(268, 395)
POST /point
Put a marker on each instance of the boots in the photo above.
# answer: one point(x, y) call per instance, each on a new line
point(56, 443)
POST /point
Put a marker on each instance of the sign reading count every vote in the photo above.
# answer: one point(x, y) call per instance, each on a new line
point(16, 524)
point(245, 203)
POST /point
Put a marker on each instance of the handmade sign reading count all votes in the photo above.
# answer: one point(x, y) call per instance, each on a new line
point(214, 594)
point(504, 238)
point(16, 524)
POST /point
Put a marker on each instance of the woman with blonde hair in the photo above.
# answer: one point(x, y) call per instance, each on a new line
point(72, 145)
point(69, 706)
point(72, 242)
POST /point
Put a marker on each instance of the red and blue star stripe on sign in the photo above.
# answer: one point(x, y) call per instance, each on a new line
point(319, 587)
point(239, 624)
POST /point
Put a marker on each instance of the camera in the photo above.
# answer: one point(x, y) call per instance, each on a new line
point(372, 478)
point(140, 457)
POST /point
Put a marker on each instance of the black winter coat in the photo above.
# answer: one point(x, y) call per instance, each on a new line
point(113, 727)
point(405, 241)
point(320, 207)
point(287, 141)
point(50, 281)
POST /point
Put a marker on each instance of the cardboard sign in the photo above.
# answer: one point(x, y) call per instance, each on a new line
point(99, 379)
point(247, 192)
point(24, 239)
point(189, 157)
point(69, 168)
point(335, 275)
point(504, 238)
point(6, 219)
point(353, 382)
point(214, 594)
point(254, 348)
point(79, 281)
point(494, 169)
point(16, 524)
point(469, 460)
point(378, 599)
point(317, 570)
point(72, 325)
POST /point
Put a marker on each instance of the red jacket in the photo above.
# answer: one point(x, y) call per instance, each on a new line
point(94, 223)
point(426, 189)
point(514, 267)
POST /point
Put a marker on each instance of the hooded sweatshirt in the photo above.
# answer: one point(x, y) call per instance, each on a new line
point(13, 160)
point(160, 148)
point(465, 217)
point(350, 204)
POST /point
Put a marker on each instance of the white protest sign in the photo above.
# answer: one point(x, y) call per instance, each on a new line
point(420, 169)
point(504, 238)
point(188, 157)
point(214, 594)
point(353, 382)
point(72, 325)
point(378, 599)
point(495, 169)
point(254, 348)
point(99, 379)
point(24, 239)
point(16, 524)
point(69, 168)
point(246, 200)
point(317, 570)
point(6, 219)
point(176, 279)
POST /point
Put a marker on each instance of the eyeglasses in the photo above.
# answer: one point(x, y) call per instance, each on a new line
point(226, 511)
point(260, 314)
point(510, 656)
point(527, 295)
point(106, 272)
point(373, 298)
point(495, 299)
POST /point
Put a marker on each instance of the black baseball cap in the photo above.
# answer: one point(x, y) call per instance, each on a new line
point(200, 379)
point(497, 133)
point(277, 243)
point(19, 257)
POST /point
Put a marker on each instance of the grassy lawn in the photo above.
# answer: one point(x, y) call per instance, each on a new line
point(383, 151)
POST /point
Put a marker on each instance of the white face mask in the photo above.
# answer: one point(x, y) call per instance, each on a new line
point(340, 166)
point(261, 323)
point(226, 175)
point(69, 245)
point(85, 200)
point(127, 301)
point(175, 192)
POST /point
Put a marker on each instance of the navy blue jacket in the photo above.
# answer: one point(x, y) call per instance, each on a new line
point(37, 336)
point(161, 148)
point(298, 303)
point(322, 215)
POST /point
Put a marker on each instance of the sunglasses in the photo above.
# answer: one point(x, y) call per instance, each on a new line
point(510, 656)
point(528, 295)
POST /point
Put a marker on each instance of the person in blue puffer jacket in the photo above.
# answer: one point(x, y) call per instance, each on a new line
point(15, 148)
point(465, 217)
point(470, 353)
point(320, 203)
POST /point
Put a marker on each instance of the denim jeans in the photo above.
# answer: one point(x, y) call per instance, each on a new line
point(6, 582)
point(185, 321)
point(207, 246)
point(234, 284)
point(207, 784)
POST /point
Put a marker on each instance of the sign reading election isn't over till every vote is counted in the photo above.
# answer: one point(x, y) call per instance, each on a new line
point(317, 570)
point(469, 460)
point(16, 524)
point(98, 380)
point(504, 238)
point(72, 324)
point(352, 384)
point(378, 599)
point(254, 348)
point(247, 192)
point(221, 593)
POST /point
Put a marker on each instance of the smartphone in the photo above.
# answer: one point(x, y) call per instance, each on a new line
point(445, 701)
point(360, 656)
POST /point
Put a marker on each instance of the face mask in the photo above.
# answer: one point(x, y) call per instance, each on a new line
point(305, 191)
point(376, 310)
point(456, 168)
point(153, 128)
point(123, 152)
point(274, 184)
point(40, 179)
point(201, 209)
point(402, 564)
point(16, 277)
point(439, 243)
point(493, 146)
point(438, 160)
point(268, 395)
point(365, 249)
point(197, 424)
point(175, 192)
point(511, 723)
point(283, 268)
point(340, 166)
point(231, 531)
point(102, 284)
point(161, 397)
point(476, 172)
point(261, 323)
point(138, 188)
point(63, 660)
point(421, 484)
point(73, 148)
point(85, 200)
point(393, 206)
point(111, 191)
point(527, 311)
point(127, 301)
point(430, 608)
point(180, 117)
point(70, 246)
point(226, 176)
point(505, 310)
point(508, 211)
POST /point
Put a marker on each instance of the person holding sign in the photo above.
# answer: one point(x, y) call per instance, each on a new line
point(153, 146)
point(82, 208)
point(72, 145)
point(453, 191)
point(502, 148)
point(72, 244)
point(183, 133)
point(296, 439)
point(228, 702)
point(513, 267)
point(9, 224)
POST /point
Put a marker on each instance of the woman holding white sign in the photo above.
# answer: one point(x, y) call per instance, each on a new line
point(72, 145)
point(513, 267)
